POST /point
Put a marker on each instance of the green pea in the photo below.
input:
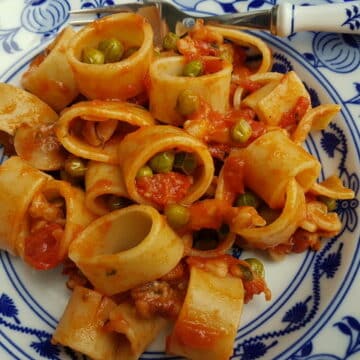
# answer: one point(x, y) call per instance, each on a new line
point(248, 198)
point(256, 266)
point(170, 41)
point(246, 273)
point(241, 131)
point(144, 171)
point(112, 49)
point(270, 215)
point(193, 68)
point(177, 215)
point(129, 51)
point(115, 202)
point(75, 167)
point(330, 203)
point(93, 56)
point(185, 162)
point(205, 239)
point(187, 102)
point(162, 162)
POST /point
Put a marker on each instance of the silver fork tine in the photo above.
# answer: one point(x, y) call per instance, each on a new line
point(167, 12)
point(112, 9)
point(91, 11)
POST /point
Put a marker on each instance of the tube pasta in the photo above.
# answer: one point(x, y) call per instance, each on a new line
point(86, 334)
point(24, 213)
point(319, 219)
point(101, 181)
point(247, 40)
point(104, 330)
point(267, 81)
point(22, 182)
point(77, 216)
point(138, 147)
point(254, 98)
point(208, 321)
point(19, 107)
point(120, 80)
point(277, 98)
point(30, 121)
point(279, 231)
point(126, 248)
point(39, 146)
point(79, 128)
point(317, 118)
point(167, 83)
point(275, 155)
point(333, 188)
point(49, 75)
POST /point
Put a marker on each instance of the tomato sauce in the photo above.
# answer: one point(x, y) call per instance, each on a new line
point(208, 214)
point(248, 84)
point(194, 49)
point(163, 189)
point(291, 118)
point(233, 172)
point(212, 65)
point(219, 151)
point(218, 125)
point(255, 287)
point(42, 247)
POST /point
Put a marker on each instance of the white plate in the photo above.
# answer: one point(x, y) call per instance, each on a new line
point(315, 311)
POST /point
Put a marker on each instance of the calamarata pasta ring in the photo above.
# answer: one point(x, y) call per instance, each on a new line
point(119, 80)
point(139, 147)
point(93, 129)
point(110, 252)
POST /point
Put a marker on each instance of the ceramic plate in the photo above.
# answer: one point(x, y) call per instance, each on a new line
point(314, 312)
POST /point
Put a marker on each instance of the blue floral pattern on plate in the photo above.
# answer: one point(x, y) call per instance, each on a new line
point(319, 301)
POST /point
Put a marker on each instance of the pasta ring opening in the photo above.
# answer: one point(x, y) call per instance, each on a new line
point(105, 188)
point(120, 240)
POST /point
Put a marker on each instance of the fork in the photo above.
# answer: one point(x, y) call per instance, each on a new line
point(282, 20)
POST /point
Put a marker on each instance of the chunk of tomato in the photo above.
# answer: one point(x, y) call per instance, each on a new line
point(164, 188)
point(233, 170)
point(292, 117)
point(42, 247)
point(212, 65)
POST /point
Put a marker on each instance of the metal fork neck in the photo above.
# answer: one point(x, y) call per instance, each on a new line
point(261, 19)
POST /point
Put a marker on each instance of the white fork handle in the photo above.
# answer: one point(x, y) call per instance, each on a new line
point(339, 17)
